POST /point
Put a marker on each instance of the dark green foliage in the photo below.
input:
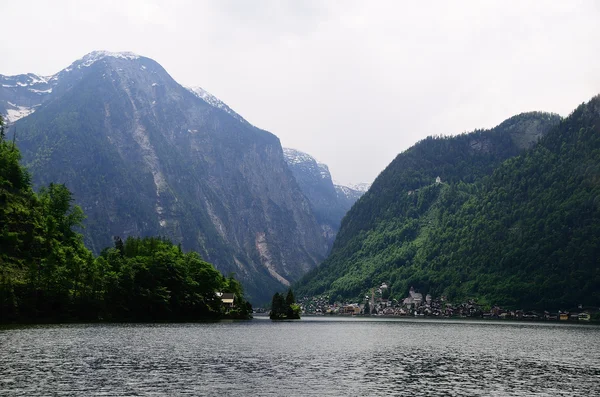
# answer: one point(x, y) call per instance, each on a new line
point(151, 279)
point(284, 307)
point(522, 232)
point(47, 274)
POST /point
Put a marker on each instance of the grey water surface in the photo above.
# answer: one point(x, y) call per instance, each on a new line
point(321, 356)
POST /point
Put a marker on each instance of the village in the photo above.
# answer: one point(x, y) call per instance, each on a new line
point(378, 303)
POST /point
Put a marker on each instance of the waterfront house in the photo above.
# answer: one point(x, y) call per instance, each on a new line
point(564, 316)
point(227, 298)
point(584, 317)
point(350, 309)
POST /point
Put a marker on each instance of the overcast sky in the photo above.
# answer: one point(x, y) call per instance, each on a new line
point(351, 83)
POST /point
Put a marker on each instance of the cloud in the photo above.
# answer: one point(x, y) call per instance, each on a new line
point(352, 83)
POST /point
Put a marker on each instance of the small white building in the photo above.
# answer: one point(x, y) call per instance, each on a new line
point(438, 180)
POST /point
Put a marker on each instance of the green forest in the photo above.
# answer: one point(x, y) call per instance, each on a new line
point(516, 230)
point(48, 275)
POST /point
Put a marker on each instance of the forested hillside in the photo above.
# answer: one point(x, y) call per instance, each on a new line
point(521, 232)
point(47, 274)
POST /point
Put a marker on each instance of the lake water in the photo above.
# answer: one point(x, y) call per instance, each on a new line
point(313, 356)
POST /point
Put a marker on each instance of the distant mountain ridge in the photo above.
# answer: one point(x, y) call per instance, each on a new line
point(330, 202)
point(145, 156)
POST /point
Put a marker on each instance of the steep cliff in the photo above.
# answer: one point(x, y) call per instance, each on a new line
point(145, 156)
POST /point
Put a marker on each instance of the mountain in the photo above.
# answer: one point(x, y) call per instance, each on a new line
point(348, 195)
point(329, 202)
point(512, 220)
point(145, 156)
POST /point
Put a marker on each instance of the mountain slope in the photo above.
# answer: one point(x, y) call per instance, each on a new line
point(410, 230)
point(329, 202)
point(145, 156)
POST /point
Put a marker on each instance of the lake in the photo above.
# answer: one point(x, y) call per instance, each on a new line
point(332, 356)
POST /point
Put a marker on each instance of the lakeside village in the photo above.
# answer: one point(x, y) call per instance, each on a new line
point(379, 304)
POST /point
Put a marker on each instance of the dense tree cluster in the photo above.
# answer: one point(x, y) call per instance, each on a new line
point(47, 273)
point(518, 231)
point(284, 307)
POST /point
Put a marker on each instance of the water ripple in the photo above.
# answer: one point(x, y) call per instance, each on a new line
point(319, 356)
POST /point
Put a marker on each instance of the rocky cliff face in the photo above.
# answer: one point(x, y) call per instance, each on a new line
point(145, 156)
point(329, 201)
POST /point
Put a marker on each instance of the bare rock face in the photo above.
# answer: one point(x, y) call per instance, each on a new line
point(145, 156)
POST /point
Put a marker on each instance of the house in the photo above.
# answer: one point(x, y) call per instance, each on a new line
point(227, 298)
point(584, 317)
point(438, 180)
point(564, 316)
point(350, 309)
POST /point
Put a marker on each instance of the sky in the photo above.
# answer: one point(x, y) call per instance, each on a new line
point(353, 83)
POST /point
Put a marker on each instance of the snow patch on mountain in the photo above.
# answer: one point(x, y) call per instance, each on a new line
point(48, 91)
point(324, 171)
point(215, 102)
point(17, 112)
point(361, 187)
point(347, 191)
point(293, 156)
point(95, 56)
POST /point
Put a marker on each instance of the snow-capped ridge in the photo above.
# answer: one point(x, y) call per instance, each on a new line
point(23, 86)
point(94, 56)
point(361, 187)
point(215, 102)
point(297, 158)
point(294, 156)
